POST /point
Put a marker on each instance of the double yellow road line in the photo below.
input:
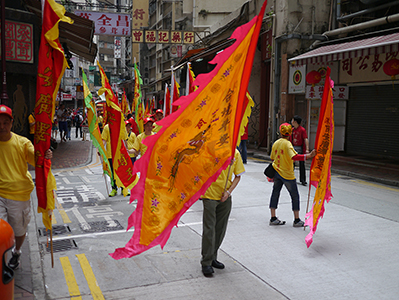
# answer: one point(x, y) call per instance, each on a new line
point(73, 287)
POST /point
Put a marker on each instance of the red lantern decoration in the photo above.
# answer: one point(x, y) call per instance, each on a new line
point(391, 68)
point(313, 77)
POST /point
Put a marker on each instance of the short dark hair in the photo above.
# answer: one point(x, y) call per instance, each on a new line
point(297, 119)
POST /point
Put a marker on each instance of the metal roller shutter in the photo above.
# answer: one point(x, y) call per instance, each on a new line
point(373, 121)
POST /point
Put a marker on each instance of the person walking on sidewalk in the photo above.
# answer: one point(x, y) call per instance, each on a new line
point(300, 142)
point(283, 155)
point(79, 122)
point(217, 208)
point(16, 183)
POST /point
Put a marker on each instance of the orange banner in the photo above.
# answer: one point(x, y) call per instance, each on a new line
point(320, 170)
point(194, 144)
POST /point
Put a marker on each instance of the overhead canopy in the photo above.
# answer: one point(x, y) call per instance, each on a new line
point(371, 46)
point(77, 36)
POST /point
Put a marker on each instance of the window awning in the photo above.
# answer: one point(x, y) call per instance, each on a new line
point(371, 46)
point(78, 36)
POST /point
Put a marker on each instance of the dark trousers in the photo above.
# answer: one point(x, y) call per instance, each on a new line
point(78, 128)
point(113, 184)
point(302, 171)
point(243, 150)
point(214, 224)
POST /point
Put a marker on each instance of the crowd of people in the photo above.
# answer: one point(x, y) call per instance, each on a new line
point(64, 120)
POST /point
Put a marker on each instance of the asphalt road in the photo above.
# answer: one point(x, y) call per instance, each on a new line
point(353, 256)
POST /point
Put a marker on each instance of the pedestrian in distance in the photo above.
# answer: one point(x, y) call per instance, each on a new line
point(79, 123)
point(217, 207)
point(54, 128)
point(16, 182)
point(62, 122)
point(283, 155)
point(299, 140)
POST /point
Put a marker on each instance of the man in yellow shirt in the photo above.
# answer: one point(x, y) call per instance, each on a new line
point(283, 154)
point(16, 183)
point(217, 207)
point(138, 145)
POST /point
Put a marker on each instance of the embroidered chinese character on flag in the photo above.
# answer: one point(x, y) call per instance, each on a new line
point(194, 145)
point(320, 170)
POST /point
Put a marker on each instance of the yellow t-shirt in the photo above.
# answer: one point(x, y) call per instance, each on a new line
point(130, 142)
point(282, 154)
point(156, 128)
point(107, 138)
point(138, 145)
point(15, 181)
point(216, 189)
point(31, 119)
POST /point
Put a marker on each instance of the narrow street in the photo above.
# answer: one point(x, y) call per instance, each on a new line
point(354, 253)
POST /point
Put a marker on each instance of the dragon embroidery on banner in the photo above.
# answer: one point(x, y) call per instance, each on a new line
point(187, 154)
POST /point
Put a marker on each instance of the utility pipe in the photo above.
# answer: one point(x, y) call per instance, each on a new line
point(360, 26)
point(366, 11)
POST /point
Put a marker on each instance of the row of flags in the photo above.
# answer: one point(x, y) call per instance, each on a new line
point(196, 141)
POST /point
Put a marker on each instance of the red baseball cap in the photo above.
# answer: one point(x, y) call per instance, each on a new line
point(6, 111)
point(159, 111)
point(127, 122)
point(146, 120)
point(131, 121)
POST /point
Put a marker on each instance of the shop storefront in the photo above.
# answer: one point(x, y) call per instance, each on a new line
point(366, 98)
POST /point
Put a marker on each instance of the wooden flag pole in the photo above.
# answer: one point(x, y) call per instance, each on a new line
point(51, 241)
point(228, 175)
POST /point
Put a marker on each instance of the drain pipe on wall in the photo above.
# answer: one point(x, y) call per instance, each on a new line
point(360, 26)
point(277, 73)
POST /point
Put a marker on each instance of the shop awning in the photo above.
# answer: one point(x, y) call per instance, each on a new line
point(77, 36)
point(370, 46)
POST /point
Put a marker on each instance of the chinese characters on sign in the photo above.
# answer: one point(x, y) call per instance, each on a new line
point(366, 68)
point(140, 14)
point(19, 42)
point(316, 92)
point(108, 23)
point(162, 37)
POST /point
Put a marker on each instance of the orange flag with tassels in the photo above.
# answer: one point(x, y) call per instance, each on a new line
point(195, 144)
point(320, 170)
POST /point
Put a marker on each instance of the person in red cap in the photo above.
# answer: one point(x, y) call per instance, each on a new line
point(16, 182)
point(158, 117)
point(138, 146)
point(283, 154)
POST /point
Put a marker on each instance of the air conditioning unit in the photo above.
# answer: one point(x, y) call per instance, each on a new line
point(146, 81)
